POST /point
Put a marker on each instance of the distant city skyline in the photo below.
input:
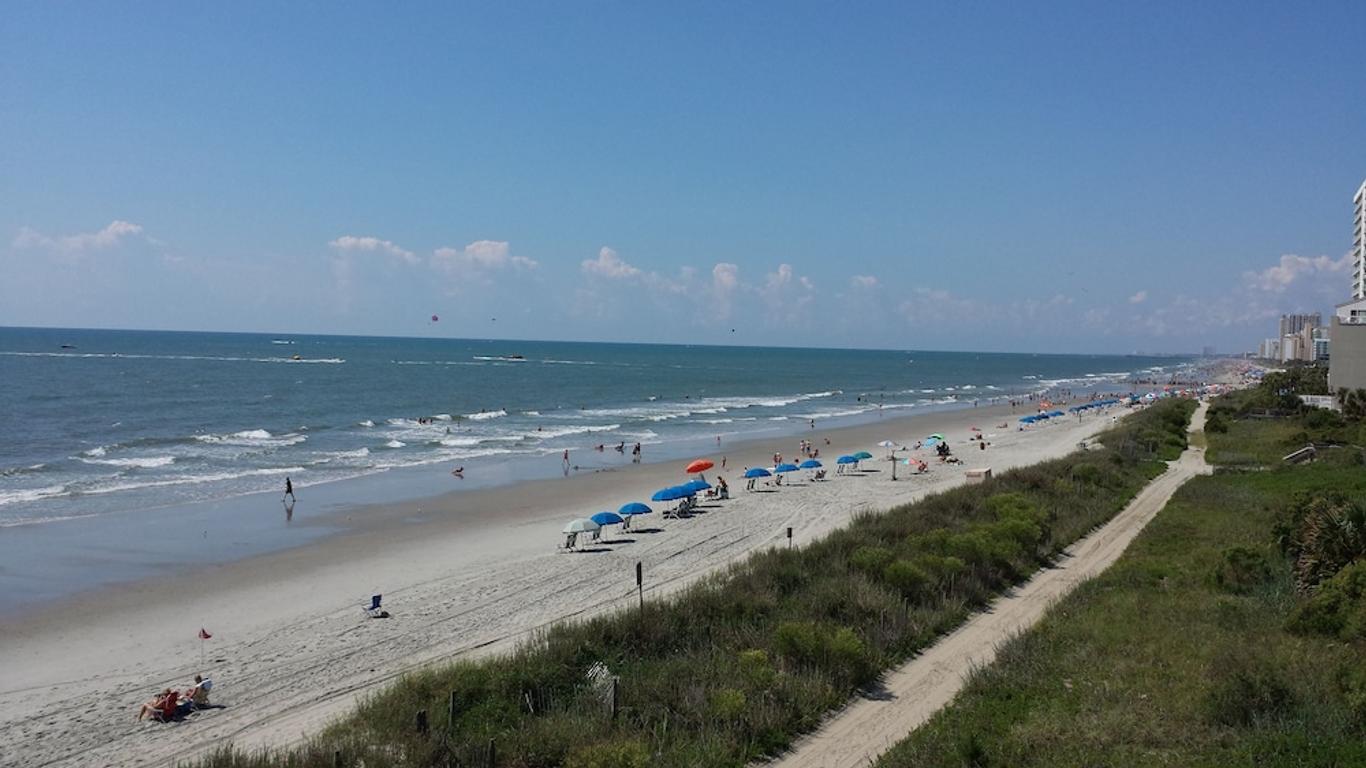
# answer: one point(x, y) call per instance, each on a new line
point(1073, 178)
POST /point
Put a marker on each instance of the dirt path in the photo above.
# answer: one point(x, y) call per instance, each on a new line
point(861, 732)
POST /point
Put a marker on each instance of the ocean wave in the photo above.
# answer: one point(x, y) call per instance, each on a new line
point(499, 359)
point(147, 462)
point(395, 444)
point(97, 451)
point(554, 432)
point(571, 362)
point(21, 495)
point(442, 417)
point(253, 438)
point(215, 477)
point(24, 470)
point(359, 453)
point(485, 415)
point(366, 423)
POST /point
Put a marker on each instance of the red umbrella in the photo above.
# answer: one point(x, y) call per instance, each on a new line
point(701, 465)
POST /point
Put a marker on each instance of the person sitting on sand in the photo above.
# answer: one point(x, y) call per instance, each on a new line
point(198, 694)
point(160, 707)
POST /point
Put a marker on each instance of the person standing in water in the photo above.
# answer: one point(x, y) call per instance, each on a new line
point(289, 489)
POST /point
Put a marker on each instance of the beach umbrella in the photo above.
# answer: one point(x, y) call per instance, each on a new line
point(785, 468)
point(758, 472)
point(582, 525)
point(846, 460)
point(886, 444)
point(684, 490)
point(667, 494)
point(863, 455)
point(696, 485)
point(810, 464)
point(634, 508)
point(935, 436)
point(606, 518)
point(701, 465)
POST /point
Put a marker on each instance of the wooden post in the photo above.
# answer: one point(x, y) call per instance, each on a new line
point(451, 712)
point(614, 700)
point(493, 754)
point(336, 759)
point(420, 722)
point(640, 587)
point(789, 537)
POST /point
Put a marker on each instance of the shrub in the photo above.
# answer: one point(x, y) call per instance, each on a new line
point(1241, 568)
point(1337, 609)
point(1323, 533)
point(797, 640)
point(755, 668)
point(728, 703)
point(1245, 691)
point(906, 577)
point(871, 560)
point(610, 754)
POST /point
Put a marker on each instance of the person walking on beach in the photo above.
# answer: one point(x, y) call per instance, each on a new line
point(289, 490)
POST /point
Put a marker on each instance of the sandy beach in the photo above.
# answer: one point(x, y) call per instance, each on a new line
point(469, 572)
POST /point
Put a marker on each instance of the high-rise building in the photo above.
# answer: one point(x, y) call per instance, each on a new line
point(1359, 245)
point(1292, 324)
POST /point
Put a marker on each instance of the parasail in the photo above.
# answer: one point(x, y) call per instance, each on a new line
point(435, 318)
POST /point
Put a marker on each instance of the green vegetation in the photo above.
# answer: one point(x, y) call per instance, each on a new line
point(1259, 426)
point(737, 666)
point(1231, 633)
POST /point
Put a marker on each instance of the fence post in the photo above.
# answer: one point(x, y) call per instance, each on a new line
point(614, 699)
point(450, 713)
point(789, 537)
point(336, 759)
point(421, 722)
point(640, 588)
point(493, 754)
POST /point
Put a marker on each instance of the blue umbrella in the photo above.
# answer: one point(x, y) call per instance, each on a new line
point(811, 464)
point(667, 494)
point(634, 508)
point(606, 518)
point(683, 490)
point(846, 460)
point(758, 472)
point(696, 485)
point(863, 455)
point(785, 468)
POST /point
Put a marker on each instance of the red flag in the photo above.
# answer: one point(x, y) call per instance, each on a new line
point(203, 634)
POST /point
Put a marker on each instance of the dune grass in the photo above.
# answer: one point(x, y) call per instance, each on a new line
point(1183, 652)
point(739, 665)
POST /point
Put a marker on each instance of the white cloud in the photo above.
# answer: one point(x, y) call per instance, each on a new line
point(787, 295)
point(478, 257)
point(862, 281)
point(608, 264)
point(1292, 268)
point(353, 243)
point(725, 281)
point(1138, 298)
point(78, 243)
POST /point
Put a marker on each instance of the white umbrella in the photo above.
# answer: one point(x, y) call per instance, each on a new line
point(582, 525)
point(887, 444)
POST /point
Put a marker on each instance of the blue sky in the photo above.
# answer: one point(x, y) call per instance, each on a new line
point(983, 176)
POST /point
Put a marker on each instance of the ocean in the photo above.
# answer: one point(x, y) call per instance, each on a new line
point(150, 438)
point(101, 421)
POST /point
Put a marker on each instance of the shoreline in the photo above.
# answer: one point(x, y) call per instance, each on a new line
point(409, 495)
point(291, 649)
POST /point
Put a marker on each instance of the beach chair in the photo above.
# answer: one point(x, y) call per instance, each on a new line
point(373, 610)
